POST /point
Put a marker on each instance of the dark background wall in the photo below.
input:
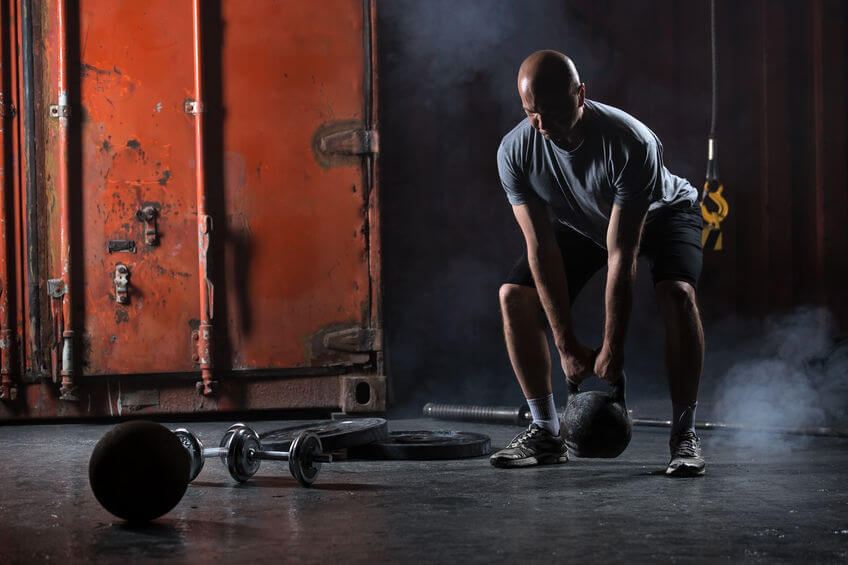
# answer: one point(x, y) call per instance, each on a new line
point(447, 80)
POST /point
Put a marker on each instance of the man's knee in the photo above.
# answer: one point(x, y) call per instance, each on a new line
point(516, 298)
point(676, 296)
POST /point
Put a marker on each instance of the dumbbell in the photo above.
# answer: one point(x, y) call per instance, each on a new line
point(241, 452)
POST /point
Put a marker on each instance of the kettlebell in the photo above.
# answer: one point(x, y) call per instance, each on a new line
point(596, 423)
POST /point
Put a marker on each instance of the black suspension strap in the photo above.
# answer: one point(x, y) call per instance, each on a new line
point(714, 207)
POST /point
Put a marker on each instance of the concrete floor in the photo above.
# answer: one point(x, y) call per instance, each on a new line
point(787, 503)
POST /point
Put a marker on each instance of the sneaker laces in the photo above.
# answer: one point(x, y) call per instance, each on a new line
point(525, 436)
point(687, 444)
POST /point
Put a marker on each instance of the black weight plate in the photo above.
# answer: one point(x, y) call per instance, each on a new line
point(334, 434)
point(426, 445)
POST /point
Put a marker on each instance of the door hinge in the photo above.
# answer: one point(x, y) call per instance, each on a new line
point(56, 288)
point(351, 142)
point(354, 340)
point(344, 345)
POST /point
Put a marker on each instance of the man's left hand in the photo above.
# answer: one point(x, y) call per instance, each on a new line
point(609, 366)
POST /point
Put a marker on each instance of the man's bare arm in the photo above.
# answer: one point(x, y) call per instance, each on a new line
point(545, 259)
point(623, 234)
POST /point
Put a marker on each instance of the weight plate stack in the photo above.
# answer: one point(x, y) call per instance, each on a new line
point(426, 445)
point(334, 434)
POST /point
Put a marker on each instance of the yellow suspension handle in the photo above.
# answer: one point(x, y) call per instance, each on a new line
point(714, 209)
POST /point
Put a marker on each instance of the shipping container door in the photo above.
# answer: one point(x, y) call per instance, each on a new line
point(136, 157)
point(295, 245)
point(288, 181)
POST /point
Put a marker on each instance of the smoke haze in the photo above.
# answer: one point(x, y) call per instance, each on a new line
point(786, 371)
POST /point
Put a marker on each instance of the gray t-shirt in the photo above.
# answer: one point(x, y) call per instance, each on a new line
point(618, 161)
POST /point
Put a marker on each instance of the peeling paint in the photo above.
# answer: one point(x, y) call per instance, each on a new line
point(121, 316)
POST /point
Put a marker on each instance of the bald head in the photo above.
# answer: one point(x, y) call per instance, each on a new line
point(552, 95)
point(548, 72)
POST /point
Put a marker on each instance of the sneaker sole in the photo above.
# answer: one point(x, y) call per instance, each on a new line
point(528, 461)
point(685, 471)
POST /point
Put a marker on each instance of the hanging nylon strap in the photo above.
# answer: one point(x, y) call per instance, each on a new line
point(714, 207)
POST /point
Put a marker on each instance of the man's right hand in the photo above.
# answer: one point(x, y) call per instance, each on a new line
point(578, 363)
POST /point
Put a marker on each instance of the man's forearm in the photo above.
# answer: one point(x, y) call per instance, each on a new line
point(621, 277)
point(552, 286)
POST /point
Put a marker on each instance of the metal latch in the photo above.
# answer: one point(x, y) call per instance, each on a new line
point(122, 274)
point(148, 216)
point(351, 142)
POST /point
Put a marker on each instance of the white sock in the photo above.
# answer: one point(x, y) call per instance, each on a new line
point(683, 418)
point(544, 413)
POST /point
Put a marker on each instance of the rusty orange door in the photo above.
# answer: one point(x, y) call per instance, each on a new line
point(289, 153)
point(136, 149)
point(296, 245)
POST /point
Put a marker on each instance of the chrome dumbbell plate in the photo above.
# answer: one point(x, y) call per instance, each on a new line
point(194, 448)
point(239, 447)
point(305, 448)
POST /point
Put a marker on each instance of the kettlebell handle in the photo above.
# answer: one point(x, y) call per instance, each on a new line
point(617, 390)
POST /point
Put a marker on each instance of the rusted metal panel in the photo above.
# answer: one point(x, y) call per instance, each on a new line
point(31, 259)
point(137, 153)
point(213, 175)
point(16, 286)
point(372, 174)
point(8, 388)
point(126, 396)
point(295, 248)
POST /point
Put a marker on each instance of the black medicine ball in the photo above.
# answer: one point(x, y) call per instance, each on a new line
point(138, 470)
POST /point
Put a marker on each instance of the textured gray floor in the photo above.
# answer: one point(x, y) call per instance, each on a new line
point(770, 502)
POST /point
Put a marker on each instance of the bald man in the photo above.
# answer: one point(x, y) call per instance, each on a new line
point(588, 187)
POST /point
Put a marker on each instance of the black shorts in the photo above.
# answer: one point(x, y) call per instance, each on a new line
point(671, 241)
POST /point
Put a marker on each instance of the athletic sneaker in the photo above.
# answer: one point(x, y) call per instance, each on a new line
point(533, 446)
point(686, 458)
